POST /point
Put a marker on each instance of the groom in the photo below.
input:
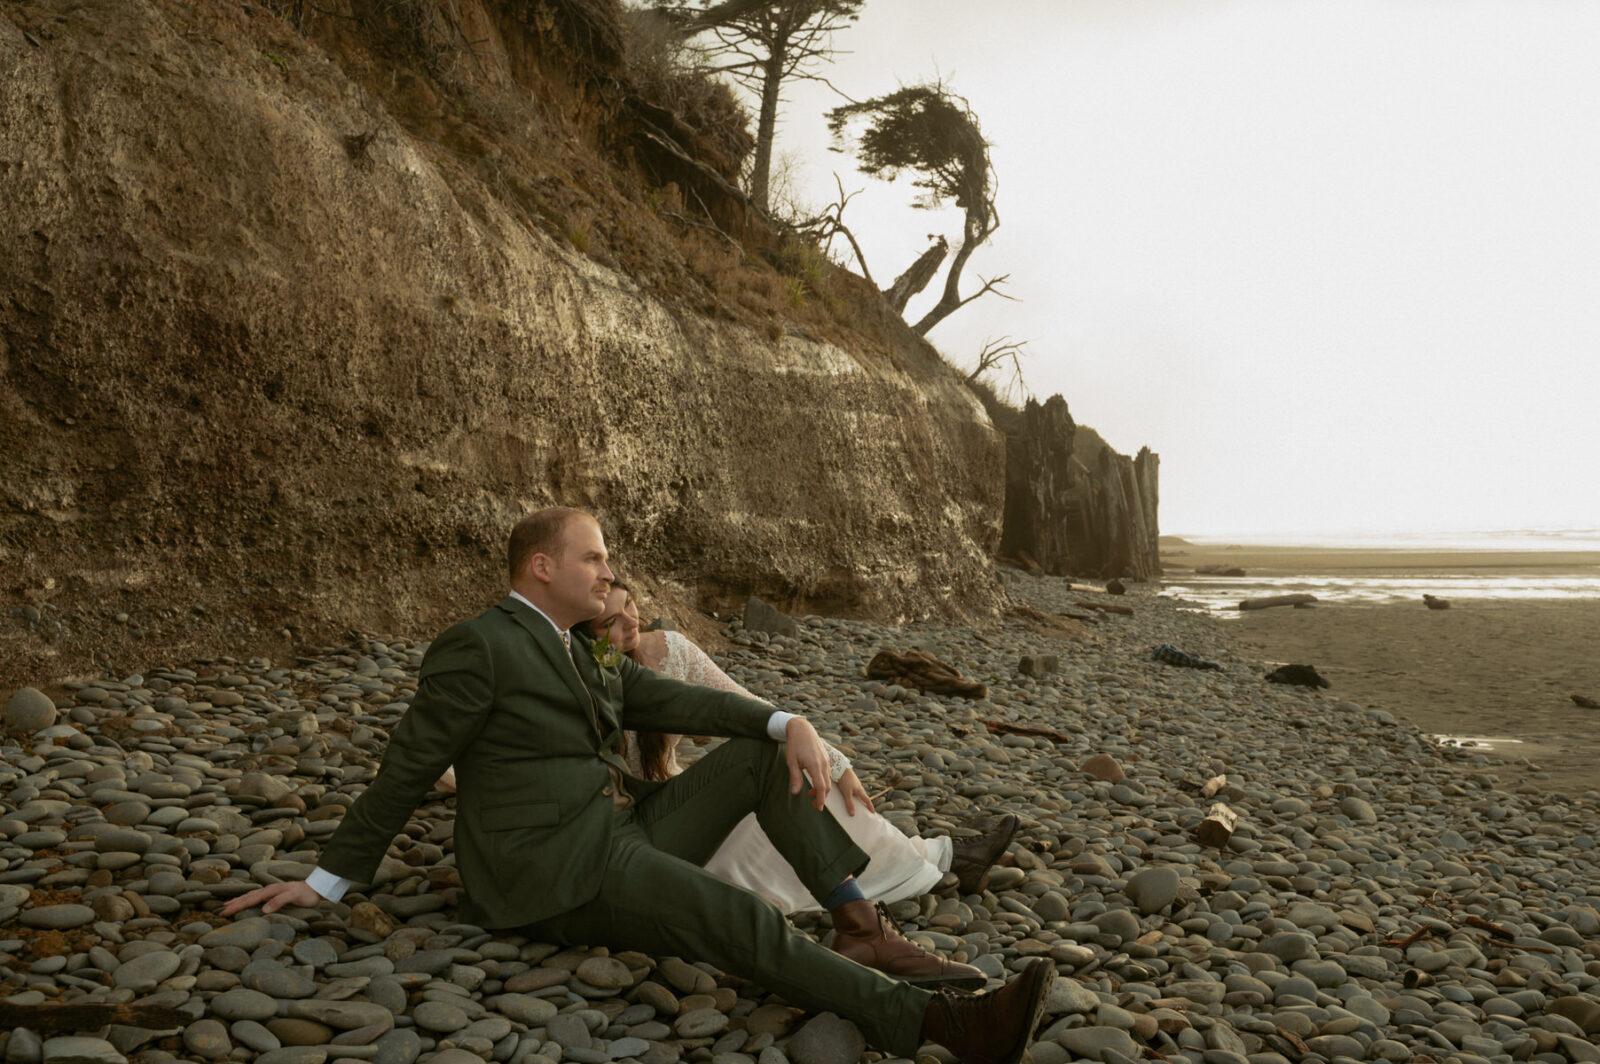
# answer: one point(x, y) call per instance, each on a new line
point(556, 839)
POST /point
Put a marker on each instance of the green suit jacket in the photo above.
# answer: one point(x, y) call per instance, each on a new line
point(531, 730)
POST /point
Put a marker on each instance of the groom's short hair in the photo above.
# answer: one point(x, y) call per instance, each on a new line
point(538, 533)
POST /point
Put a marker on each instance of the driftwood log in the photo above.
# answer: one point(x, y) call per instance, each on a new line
point(1277, 600)
point(1218, 826)
point(61, 1019)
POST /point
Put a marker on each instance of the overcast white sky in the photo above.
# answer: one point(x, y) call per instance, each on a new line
point(1337, 261)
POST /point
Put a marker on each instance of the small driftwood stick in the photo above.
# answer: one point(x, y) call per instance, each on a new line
point(1126, 611)
point(1484, 925)
point(1293, 1039)
point(1218, 826)
point(1213, 785)
point(1401, 943)
point(1277, 600)
point(1491, 941)
point(1000, 727)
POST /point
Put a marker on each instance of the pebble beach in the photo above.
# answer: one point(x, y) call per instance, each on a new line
point(1381, 898)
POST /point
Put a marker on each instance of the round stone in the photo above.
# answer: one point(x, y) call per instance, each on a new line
point(1095, 1042)
point(700, 1023)
point(347, 1015)
point(246, 934)
point(317, 952)
point(525, 1008)
point(128, 813)
point(1290, 946)
point(439, 1016)
point(400, 1046)
point(30, 710)
point(252, 1035)
point(568, 1031)
point(58, 917)
point(242, 1003)
point(277, 981)
point(827, 1039)
point(143, 974)
point(297, 1032)
point(1153, 889)
point(1119, 922)
point(1103, 766)
point(1359, 810)
point(207, 1039)
point(121, 840)
point(607, 973)
point(75, 1049)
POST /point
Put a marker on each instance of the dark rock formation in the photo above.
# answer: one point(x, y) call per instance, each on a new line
point(1298, 675)
point(1072, 503)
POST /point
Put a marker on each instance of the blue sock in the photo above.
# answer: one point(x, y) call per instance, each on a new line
point(843, 894)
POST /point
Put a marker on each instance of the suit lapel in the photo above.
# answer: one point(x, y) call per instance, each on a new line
point(594, 677)
point(549, 642)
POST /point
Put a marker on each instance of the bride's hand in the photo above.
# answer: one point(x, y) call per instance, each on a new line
point(851, 790)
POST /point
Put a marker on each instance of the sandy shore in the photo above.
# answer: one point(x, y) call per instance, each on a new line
point(1498, 669)
point(1280, 561)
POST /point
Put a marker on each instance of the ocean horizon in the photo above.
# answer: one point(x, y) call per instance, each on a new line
point(1483, 539)
point(1475, 580)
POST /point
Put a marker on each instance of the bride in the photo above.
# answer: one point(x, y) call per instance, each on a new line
point(900, 867)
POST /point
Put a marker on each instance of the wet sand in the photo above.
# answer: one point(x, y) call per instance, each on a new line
point(1304, 561)
point(1501, 668)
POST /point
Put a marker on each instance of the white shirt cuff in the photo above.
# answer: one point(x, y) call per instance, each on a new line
point(330, 886)
point(778, 724)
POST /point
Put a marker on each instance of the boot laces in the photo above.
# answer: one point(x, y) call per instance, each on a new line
point(958, 1006)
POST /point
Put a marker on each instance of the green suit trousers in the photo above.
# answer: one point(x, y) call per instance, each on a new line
point(654, 895)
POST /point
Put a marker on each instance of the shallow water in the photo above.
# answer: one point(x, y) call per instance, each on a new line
point(1224, 593)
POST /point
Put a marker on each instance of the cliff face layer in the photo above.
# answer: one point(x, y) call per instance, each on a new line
point(1073, 504)
point(270, 364)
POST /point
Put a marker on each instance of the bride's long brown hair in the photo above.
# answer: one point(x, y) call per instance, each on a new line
point(655, 748)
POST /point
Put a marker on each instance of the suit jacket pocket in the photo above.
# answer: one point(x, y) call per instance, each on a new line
point(521, 815)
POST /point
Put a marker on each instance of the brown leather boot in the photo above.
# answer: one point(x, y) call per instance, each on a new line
point(865, 934)
point(992, 1028)
point(971, 859)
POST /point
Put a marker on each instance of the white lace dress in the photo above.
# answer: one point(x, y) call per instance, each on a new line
point(900, 867)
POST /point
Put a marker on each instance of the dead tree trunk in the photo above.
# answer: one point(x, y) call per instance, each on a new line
point(917, 276)
point(767, 127)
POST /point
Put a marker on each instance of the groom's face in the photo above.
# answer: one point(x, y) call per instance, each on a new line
point(579, 577)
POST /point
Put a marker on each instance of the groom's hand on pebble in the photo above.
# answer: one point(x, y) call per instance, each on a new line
point(274, 897)
point(806, 754)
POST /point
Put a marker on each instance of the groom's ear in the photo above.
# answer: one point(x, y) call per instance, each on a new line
point(540, 567)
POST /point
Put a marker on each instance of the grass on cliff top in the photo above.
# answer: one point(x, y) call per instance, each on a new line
point(533, 107)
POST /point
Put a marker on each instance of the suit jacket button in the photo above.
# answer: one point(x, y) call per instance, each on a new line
point(607, 790)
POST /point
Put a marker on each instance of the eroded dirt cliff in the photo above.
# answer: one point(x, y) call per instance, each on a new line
point(275, 360)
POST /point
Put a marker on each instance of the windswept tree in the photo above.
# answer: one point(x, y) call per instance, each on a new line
point(928, 132)
point(762, 44)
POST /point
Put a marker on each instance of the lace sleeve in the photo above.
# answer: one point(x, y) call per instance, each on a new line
point(838, 764)
point(690, 664)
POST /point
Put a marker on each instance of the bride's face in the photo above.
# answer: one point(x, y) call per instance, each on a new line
point(619, 621)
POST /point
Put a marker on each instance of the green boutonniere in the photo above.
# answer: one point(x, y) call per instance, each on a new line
point(605, 655)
